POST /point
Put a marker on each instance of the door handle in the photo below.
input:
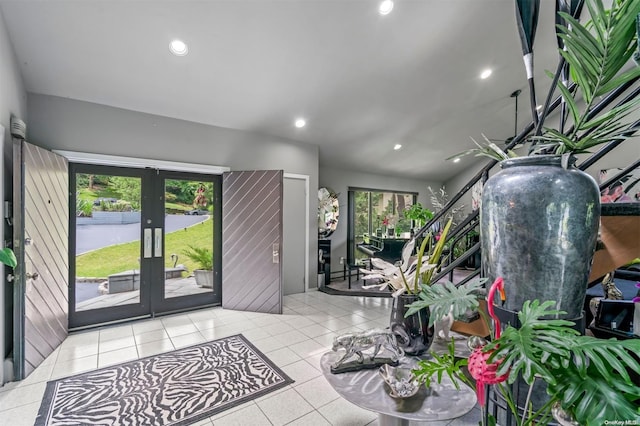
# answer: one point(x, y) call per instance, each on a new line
point(157, 246)
point(276, 253)
point(148, 243)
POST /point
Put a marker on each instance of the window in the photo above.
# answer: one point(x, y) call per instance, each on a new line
point(378, 213)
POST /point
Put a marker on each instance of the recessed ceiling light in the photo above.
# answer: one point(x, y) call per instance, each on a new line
point(486, 73)
point(385, 7)
point(178, 47)
point(300, 122)
point(397, 146)
point(456, 160)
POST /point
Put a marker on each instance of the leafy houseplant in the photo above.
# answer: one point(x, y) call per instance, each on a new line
point(203, 257)
point(419, 214)
point(586, 377)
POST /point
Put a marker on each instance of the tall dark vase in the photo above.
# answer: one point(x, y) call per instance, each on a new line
point(538, 226)
point(413, 333)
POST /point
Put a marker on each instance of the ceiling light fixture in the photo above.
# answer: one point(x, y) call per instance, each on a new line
point(300, 123)
point(178, 47)
point(385, 7)
point(456, 160)
point(486, 74)
point(397, 146)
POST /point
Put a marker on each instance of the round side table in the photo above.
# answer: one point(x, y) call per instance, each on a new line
point(366, 389)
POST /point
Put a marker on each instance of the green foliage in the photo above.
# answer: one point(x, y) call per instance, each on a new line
point(128, 188)
point(118, 206)
point(201, 256)
point(418, 213)
point(122, 257)
point(596, 52)
point(84, 208)
point(434, 259)
point(441, 364)
point(8, 257)
point(445, 297)
point(588, 376)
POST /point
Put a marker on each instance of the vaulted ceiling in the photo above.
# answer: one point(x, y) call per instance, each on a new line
point(364, 82)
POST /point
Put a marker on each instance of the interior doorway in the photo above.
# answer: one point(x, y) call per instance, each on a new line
point(143, 242)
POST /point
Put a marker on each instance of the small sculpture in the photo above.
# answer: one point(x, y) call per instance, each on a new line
point(401, 381)
point(368, 347)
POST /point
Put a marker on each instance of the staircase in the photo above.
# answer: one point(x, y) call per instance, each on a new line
point(620, 223)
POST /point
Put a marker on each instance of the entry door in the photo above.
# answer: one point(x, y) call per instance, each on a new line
point(41, 217)
point(139, 239)
point(252, 241)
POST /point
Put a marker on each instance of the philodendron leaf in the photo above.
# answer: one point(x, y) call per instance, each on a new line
point(8, 257)
point(445, 297)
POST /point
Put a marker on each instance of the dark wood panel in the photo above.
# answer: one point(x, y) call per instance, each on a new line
point(251, 226)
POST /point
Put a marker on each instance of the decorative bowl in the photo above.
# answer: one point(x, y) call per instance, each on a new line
point(400, 381)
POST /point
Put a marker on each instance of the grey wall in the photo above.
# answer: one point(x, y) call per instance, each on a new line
point(13, 100)
point(341, 180)
point(59, 123)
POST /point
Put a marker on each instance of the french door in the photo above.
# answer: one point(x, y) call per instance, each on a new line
point(143, 242)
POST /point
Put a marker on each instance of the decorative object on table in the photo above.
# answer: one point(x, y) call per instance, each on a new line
point(174, 388)
point(414, 330)
point(446, 302)
point(439, 199)
point(576, 370)
point(400, 381)
point(328, 212)
point(366, 349)
point(611, 292)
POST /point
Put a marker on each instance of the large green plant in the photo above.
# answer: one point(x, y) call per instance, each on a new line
point(418, 213)
point(596, 52)
point(202, 256)
point(589, 377)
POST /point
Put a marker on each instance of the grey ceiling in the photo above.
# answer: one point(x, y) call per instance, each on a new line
point(363, 81)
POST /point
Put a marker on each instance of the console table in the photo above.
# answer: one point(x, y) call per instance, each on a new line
point(366, 389)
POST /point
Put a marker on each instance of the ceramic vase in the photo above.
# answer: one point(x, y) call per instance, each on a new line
point(539, 222)
point(413, 333)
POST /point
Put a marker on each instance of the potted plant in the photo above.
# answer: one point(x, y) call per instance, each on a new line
point(540, 214)
point(419, 214)
point(588, 380)
point(203, 257)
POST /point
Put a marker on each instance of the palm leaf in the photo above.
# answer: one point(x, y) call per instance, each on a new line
point(8, 257)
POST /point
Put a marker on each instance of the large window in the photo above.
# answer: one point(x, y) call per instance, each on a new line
point(377, 213)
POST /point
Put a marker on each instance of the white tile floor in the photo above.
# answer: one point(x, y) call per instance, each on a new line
point(295, 341)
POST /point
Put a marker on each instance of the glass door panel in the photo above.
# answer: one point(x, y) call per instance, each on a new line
point(138, 241)
point(107, 241)
point(188, 224)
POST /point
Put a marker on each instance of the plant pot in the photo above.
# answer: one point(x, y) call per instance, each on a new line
point(538, 227)
point(413, 334)
point(204, 278)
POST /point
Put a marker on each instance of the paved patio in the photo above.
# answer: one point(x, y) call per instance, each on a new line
point(174, 287)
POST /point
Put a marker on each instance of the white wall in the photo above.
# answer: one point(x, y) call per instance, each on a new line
point(65, 124)
point(341, 180)
point(13, 100)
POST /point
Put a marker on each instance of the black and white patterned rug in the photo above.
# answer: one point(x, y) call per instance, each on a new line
point(174, 388)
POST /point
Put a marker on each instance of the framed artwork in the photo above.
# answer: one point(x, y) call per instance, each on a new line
point(626, 189)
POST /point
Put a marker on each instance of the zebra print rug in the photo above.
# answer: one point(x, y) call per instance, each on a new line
point(174, 388)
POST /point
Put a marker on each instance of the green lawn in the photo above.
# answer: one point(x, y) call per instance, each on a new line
point(122, 257)
point(97, 192)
